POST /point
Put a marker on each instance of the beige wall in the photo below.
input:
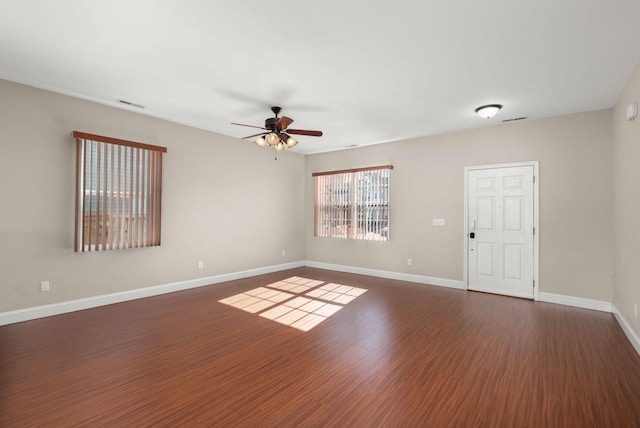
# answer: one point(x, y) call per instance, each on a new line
point(225, 202)
point(575, 155)
point(627, 203)
point(232, 206)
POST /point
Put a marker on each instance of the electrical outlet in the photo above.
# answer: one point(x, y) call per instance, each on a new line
point(200, 265)
point(284, 253)
point(44, 286)
point(409, 262)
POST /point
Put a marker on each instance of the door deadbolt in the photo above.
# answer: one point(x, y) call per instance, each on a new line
point(472, 235)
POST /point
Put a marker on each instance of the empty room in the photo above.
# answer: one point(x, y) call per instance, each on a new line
point(339, 214)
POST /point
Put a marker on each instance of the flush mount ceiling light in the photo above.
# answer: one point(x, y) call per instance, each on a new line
point(488, 111)
point(275, 135)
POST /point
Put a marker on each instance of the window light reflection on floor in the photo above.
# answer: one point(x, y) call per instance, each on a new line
point(298, 302)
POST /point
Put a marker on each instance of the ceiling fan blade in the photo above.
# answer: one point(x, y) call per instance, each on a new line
point(248, 126)
point(254, 135)
point(305, 132)
point(283, 123)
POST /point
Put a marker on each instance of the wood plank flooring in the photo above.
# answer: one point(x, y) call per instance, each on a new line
point(400, 355)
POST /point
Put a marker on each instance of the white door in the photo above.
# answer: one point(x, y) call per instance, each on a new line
point(501, 236)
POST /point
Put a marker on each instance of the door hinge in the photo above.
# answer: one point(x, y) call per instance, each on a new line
point(534, 230)
point(534, 283)
point(534, 178)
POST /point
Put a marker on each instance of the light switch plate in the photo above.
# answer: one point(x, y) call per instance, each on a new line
point(438, 222)
point(632, 111)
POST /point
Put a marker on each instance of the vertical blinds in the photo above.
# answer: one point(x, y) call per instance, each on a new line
point(352, 203)
point(118, 193)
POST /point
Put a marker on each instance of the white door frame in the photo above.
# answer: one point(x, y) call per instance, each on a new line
point(536, 219)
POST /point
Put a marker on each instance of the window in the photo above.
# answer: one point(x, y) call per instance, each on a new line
point(118, 193)
point(353, 204)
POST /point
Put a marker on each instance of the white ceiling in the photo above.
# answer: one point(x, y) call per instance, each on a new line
point(364, 72)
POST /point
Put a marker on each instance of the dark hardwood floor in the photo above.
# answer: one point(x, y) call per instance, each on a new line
point(399, 355)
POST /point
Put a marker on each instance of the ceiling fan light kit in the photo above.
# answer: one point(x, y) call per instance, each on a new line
point(291, 142)
point(274, 134)
point(273, 139)
point(488, 111)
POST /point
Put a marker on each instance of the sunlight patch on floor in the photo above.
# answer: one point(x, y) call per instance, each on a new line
point(298, 302)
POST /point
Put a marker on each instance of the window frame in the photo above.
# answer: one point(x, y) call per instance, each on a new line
point(118, 193)
point(342, 201)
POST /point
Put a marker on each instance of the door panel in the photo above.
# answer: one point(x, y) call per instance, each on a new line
point(486, 213)
point(486, 259)
point(513, 262)
point(513, 214)
point(501, 215)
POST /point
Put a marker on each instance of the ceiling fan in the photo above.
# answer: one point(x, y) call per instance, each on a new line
point(274, 132)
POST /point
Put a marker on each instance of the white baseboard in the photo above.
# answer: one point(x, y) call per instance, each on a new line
point(631, 335)
point(123, 296)
point(108, 299)
point(578, 302)
point(421, 279)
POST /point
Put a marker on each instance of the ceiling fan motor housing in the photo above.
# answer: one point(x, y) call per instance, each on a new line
point(270, 123)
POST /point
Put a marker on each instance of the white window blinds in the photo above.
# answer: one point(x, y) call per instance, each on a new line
point(352, 204)
point(118, 193)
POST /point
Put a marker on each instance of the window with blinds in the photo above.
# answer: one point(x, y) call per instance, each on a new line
point(352, 204)
point(118, 193)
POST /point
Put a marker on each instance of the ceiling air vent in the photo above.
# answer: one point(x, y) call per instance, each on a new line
point(514, 119)
point(130, 104)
